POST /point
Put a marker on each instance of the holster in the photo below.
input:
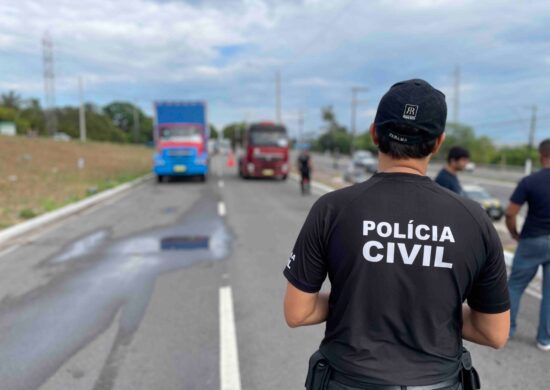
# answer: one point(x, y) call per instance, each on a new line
point(318, 373)
point(470, 377)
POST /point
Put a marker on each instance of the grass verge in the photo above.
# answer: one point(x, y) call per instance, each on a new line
point(38, 175)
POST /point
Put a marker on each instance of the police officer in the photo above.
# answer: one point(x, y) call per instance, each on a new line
point(403, 256)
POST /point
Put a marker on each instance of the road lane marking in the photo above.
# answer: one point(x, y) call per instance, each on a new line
point(220, 183)
point(230, 378)
point(221, 209)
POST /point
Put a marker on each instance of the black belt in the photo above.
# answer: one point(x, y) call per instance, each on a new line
point(346, 380)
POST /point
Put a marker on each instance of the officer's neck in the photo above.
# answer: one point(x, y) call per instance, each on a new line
point(386, 164)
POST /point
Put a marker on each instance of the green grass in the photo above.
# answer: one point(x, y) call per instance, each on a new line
point(27, 214)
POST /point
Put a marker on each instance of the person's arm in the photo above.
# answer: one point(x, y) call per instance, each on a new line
point(306, 271)
point(511, 215)
point(302, 308)
point(486, 329)
point(486, 317)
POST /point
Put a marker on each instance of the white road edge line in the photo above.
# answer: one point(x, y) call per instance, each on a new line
point(221, 209)
point(230, 377)
point(321, 189)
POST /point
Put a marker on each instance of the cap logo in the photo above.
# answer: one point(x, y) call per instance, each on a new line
point(410, 112)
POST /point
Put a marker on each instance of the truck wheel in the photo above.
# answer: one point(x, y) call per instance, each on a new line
point(284, 177)
point(160, 178)
point(203, 178)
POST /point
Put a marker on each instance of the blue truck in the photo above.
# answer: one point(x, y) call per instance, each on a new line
point(181, 139)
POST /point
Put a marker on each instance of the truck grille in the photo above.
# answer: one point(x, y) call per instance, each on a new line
point(269, 156)
point(179, 152)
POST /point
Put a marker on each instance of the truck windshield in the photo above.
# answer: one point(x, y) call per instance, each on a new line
point(268, 138)
point(183, 133)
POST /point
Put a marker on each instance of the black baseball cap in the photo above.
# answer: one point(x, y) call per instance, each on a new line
point(409, 105)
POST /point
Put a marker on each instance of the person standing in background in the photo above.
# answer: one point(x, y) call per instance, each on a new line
point(457, 160)
point(534, 243)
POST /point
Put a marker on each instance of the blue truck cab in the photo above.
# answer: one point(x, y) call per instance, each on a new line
point(181, 140)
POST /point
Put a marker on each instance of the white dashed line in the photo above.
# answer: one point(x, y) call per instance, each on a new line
point(221, 209)
point(220, 183)
point(230, 378)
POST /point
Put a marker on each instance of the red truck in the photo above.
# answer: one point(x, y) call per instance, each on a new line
point(265, 151)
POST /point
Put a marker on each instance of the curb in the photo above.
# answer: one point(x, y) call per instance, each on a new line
point(66, 211)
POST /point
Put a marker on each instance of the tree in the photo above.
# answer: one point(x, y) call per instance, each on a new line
point(213, 131)
point(235, 132)
point(364, 142)
point(10, 100)
point(35, 116)
point(123, 116)
point(336, 138)
point(328, 115)
point(98, 127)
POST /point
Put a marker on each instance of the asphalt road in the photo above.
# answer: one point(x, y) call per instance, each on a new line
point(149, 290)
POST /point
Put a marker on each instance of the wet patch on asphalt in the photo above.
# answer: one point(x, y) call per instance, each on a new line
point(42, 329)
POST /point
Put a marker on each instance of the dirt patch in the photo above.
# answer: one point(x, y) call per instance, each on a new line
point(39, 175)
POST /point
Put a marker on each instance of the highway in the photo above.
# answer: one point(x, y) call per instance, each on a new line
point(179, 286)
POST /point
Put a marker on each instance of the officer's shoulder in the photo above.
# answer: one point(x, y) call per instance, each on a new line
point(341, 197)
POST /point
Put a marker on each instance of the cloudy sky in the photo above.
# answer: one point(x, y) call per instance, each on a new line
point(227, 52)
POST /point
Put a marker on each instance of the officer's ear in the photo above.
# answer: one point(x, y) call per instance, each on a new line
point(373, 134)
point(438, 142)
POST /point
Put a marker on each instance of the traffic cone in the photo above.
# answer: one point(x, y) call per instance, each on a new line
point(230, 160)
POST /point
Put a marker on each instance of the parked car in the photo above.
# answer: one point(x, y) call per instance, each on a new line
point(355, 173)
point(470, 167)
point(490, 204)
point(365, 159)
point(58, 136)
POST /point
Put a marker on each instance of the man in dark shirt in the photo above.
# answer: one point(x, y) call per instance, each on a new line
point(304, 166)
point(402, 255)
point(457, 159)
point(534, 242)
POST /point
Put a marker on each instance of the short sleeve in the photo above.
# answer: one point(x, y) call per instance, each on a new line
point(520, 193)
point(306, 268)
point(489, 293)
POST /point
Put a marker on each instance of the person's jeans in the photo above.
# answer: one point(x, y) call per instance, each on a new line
point(530, 254)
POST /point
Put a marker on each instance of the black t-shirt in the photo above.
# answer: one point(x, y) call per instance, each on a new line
point(402, 255)
point(535, 190)
point(449, 181)
point(303, 163)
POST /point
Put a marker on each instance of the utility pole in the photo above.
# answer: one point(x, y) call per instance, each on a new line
point(135, 127)
point(49, 84)
point(81, 111)
point(354, 102)
point(456, 100)
point(300, 125)
point(528, 161)
point(278, 96)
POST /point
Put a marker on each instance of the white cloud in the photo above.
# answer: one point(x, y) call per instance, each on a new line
point(131, 47)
